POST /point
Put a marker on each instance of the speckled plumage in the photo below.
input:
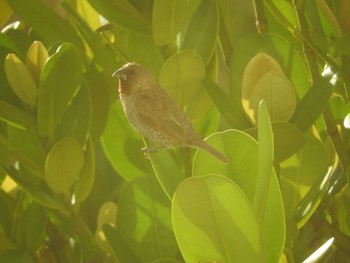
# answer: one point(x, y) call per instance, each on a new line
point(153, 113)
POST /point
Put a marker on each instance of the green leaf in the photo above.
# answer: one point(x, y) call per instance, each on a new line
point(121, 249)
point(243, 153)
point(287, 140)
point(341, 46)
point(100, 103)
point(181, 76)
point(16, 117)
point(230, 111)
point(256, 68)
point(103, 55)
point(87, 175)
point(35, 59)
point(301, 172)
point(278, 48)
point(288, 10)
point(33, 225)
point(122, 13)
point(63, 165)
point(133, 45)
point(214, 221)
point(12, 151)
point(6, 13)
point(169, 17)
point(312, 104)
point(29, 144)
point(76, 121)
point(202, 32)
point(122, 145)
point(49, 25)
point(241, 150)
point(278, 93)
point(144, 219)
point(60, 81)
point(40, 195)
point(168, 172)
point(20, 80)
point(16, 255)
point(266, 156)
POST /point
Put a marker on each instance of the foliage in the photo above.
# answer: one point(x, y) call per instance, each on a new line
point(266, 81)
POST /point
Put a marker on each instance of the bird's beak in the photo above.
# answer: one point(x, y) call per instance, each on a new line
point(120, 74)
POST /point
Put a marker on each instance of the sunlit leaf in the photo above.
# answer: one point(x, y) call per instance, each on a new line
point(204, 232)
point(35, 60)
point(169, 17)
point(181, 76)
point(243, 169)
point(63, 165)
point(256, 68)
point(20, 79)
point(278, 92)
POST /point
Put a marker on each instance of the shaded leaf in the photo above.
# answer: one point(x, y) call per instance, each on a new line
point(50, 26)
point(144, 219)
point(87, 174)
point(76, 122)
point(312, 104)
point(60, 81)
point(121, 12)
point(16, 117)
point(202, 32)
point(122, 145)
point(230, 111)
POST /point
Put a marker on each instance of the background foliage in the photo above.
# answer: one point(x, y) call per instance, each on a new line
point(75, 186)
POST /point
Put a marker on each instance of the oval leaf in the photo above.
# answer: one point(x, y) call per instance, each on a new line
point(169, 17)
point(211, 214)
point(182, 75)
point(278, 93)
point(257, 67)
point(87, 175)
point(60, 81)
point(36, 58)
point(203, 30)
point(20, 80)
point(63, 165)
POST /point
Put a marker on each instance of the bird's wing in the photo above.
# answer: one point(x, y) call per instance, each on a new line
point(161, 113)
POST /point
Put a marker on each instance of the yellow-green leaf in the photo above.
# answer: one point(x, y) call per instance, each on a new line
point(181, 76)
point(63, 165)
point(20, 79)
point(278, 93)
point(36, 58)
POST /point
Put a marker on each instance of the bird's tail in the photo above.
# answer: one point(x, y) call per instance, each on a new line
point(206, 147)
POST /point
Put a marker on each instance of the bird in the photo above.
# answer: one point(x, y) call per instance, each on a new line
point(154, 114)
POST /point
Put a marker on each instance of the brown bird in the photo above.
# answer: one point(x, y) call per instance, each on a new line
point(154, 114)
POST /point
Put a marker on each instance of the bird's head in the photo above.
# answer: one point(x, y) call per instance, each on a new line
point(133, 78)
